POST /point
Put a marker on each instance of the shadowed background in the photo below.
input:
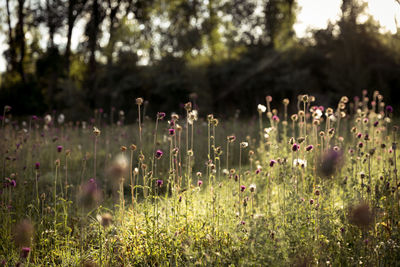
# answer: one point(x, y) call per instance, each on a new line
point(221, 55)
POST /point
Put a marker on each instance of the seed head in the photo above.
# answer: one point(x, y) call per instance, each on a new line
point(361, 215)
point(261, 108)
point(188, 106)
point(133, 147)
point(252, 188)
point(139, 101)
point(244, 144)
point(96, 131)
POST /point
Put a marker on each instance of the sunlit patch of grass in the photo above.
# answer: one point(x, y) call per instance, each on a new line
point(318, 187)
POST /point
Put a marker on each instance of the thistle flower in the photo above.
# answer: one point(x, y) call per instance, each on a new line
point(199, 174)
point(275, 118)
point(59, 149)
point(361, 215)
point(171, 132)
point(37, 165)
point(160, 115)
point(272, 162)
point(160, 183)
point(268, 98)
point(96, 131)
point(61, 119)
point(261, 108)
point(311, 201)
point(192, 116)
point(25, 252)
point(23, 233)
point(199, 182)
point(252, 188)
point(331, 161)
point(106, 219)
point(244, 144)
point(295, 147)
point(309, 147)
point(133, 147)
point(139, 101)
point(188, 106)
point(47, 119)
point(231, 138)
point(242, 188)
point(159, 154)
point(389, 109)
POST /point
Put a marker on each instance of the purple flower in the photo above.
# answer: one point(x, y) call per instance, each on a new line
point(272, 162)
point(258, 171)
point(59, 149)
point(311, 201)
point(275, 118)
point(242, 188)
point(171, 132)
point(309, 148)
point(25, 252)
point(37, 165)
point(295, 147)
point(159, 154)
point(160, 183)
point(160, 115)
point(13, 183)
point(376, 123)
point(199, 182)
point(389, 109)
point(34, 117)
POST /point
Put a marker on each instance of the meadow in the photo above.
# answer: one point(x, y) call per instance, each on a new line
point(315, 188)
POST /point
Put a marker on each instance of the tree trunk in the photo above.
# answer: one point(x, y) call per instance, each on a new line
point(20, 39)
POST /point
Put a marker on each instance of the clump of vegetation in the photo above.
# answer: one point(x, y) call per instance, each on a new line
point(318, 187)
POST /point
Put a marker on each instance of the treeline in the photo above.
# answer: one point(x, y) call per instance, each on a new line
point(222, 55)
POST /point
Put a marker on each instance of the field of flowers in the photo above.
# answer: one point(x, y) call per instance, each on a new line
point(318, 187)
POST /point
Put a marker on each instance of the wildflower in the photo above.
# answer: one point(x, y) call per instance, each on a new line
point(295, 147)
point(192, 117)
point(331, 161)
point(268, 98)
point(309, 147)
point(89, 195)
point(199, 182)
point(311, 201)
point(23, 233)
point(47, 119)
point(389, 109)
point(106, 219)
point(242, 188)
point(171, 132)
point(225, 171)
point(61, 119)
point(139, 101)
point(188, 106)
point(244, 144)
point(272, 162)
point(199, 174)
point(285, 101)
point(359, 135)
point(133, 147)
point(252, 188)
point(159, 153)
point(231, 138)
point(376, 123)
point(59, 149)
point(119, 166)
point(25, 252)
point(160, 115)
point(258, 170)
point(294, 117)
point(37, 165)
point(300, 162)
point(361, 215)
point(275, 118)
point(96, 131)
point(261, 108)
point(160, 183)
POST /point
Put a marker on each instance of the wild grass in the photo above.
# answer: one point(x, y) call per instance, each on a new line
point(318, 187)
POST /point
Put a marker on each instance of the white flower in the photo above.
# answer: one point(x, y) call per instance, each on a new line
point(225, 171)
point(47, 119)
point(192, 117)
point(261, 108)
point(300, 162)
point(318, 113)
point(244, 144)
point(268, 130)
point(61, 118)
